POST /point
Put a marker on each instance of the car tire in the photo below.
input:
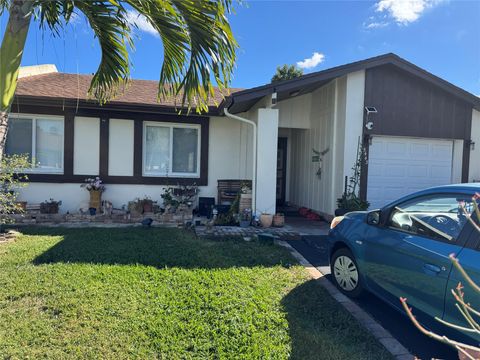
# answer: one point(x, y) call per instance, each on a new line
point(345, 273)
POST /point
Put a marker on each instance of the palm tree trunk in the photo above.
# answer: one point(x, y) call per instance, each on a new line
point(11, 53)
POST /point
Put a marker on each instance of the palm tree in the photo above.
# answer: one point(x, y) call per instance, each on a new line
point(286, 72)
point(197, 40)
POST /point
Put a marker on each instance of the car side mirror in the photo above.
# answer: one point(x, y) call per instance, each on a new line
point(373, 217)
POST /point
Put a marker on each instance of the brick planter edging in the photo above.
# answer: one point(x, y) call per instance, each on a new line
point(392, 345)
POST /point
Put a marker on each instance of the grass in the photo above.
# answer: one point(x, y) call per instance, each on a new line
point(163, 294)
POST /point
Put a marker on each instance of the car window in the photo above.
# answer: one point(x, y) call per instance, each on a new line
point(440, 217)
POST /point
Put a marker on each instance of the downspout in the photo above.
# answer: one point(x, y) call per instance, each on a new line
point(254, 173)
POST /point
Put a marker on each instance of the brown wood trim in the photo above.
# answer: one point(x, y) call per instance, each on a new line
point(104, 138)
point(84, 105)
point(138, 149)
point(117, 180)
point(68, 141)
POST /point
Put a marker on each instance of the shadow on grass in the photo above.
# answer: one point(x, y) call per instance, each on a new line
point(158, 247)
point(321, 329)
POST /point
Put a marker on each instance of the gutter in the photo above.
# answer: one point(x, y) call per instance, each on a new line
point(254, 173)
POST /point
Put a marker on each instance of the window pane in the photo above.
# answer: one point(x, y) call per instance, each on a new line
point(49, 144)
point(157, 149)
point(438, 217)
point(185, 148)
point(19, 137)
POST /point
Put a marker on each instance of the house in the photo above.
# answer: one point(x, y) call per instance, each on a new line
point(418, 131)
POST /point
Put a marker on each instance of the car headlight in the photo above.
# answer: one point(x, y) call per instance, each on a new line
point(336, 220)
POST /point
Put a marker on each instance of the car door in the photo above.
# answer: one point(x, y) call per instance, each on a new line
point(469, 259)
point(409, 256)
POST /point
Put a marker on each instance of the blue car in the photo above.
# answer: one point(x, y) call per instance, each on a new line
point(402, 250)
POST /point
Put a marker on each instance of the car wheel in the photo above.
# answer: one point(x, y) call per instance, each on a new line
point(345, 273)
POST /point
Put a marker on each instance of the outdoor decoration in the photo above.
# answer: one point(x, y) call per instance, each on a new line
point(350, 201)
point(245, 218)
point(245, 198)
point(95, 187)
point(50, 206)
point(317, 157)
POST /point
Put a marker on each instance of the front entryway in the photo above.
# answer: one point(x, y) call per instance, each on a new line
point(398, 166)
point(281, 170)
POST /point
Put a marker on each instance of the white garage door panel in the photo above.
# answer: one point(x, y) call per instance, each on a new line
point(399, 166)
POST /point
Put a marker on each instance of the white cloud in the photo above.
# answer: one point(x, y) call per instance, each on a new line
point(404, 12)
point(311, 62)
point(138, 20)
point(375, 25)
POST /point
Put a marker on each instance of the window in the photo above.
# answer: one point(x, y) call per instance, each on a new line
point(440, 217)
point(171, 150)
point(41, 138)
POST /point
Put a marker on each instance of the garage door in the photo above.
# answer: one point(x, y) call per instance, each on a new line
point(398, 166)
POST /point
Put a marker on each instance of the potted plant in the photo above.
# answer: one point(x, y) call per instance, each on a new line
point(147, 204)
point(278, 220)
point(50, 206)
point(245, 218)
point(135, 207)
point(95, 187)
point(266, 219)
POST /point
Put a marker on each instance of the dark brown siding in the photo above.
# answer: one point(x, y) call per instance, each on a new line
point(410, 106)
point(69, 113)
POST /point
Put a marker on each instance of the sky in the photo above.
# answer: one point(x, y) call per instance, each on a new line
point(441, 36)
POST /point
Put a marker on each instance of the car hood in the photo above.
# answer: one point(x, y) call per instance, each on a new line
point(356, 215)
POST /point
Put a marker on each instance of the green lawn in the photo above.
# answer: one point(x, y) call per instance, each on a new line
point(163, 294)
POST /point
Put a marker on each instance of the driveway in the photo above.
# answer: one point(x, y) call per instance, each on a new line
point(313, 248)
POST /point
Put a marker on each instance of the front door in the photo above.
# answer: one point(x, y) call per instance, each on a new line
point(281, 170)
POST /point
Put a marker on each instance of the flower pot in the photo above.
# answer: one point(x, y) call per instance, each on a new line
point(266, 220)
point(96, 199)
point(278, 220)
point(147, 206)
point(244, 223)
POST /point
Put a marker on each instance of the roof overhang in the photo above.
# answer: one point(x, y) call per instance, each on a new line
point(243, 100)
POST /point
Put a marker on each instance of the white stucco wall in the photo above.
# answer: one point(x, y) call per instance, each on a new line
point(120, 147)
point(474, 172)
point(306, 188)
point(267, 160)
point(336, 118)
point(229, 156)
point(86, 146)
point(295, 112)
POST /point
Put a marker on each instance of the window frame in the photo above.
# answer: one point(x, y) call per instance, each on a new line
point(171, 126)
point(455, 241)
point(34, 117)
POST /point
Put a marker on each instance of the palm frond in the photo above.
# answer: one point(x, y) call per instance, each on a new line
point(198, 46)
point(4, 5)
point(108, 19)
